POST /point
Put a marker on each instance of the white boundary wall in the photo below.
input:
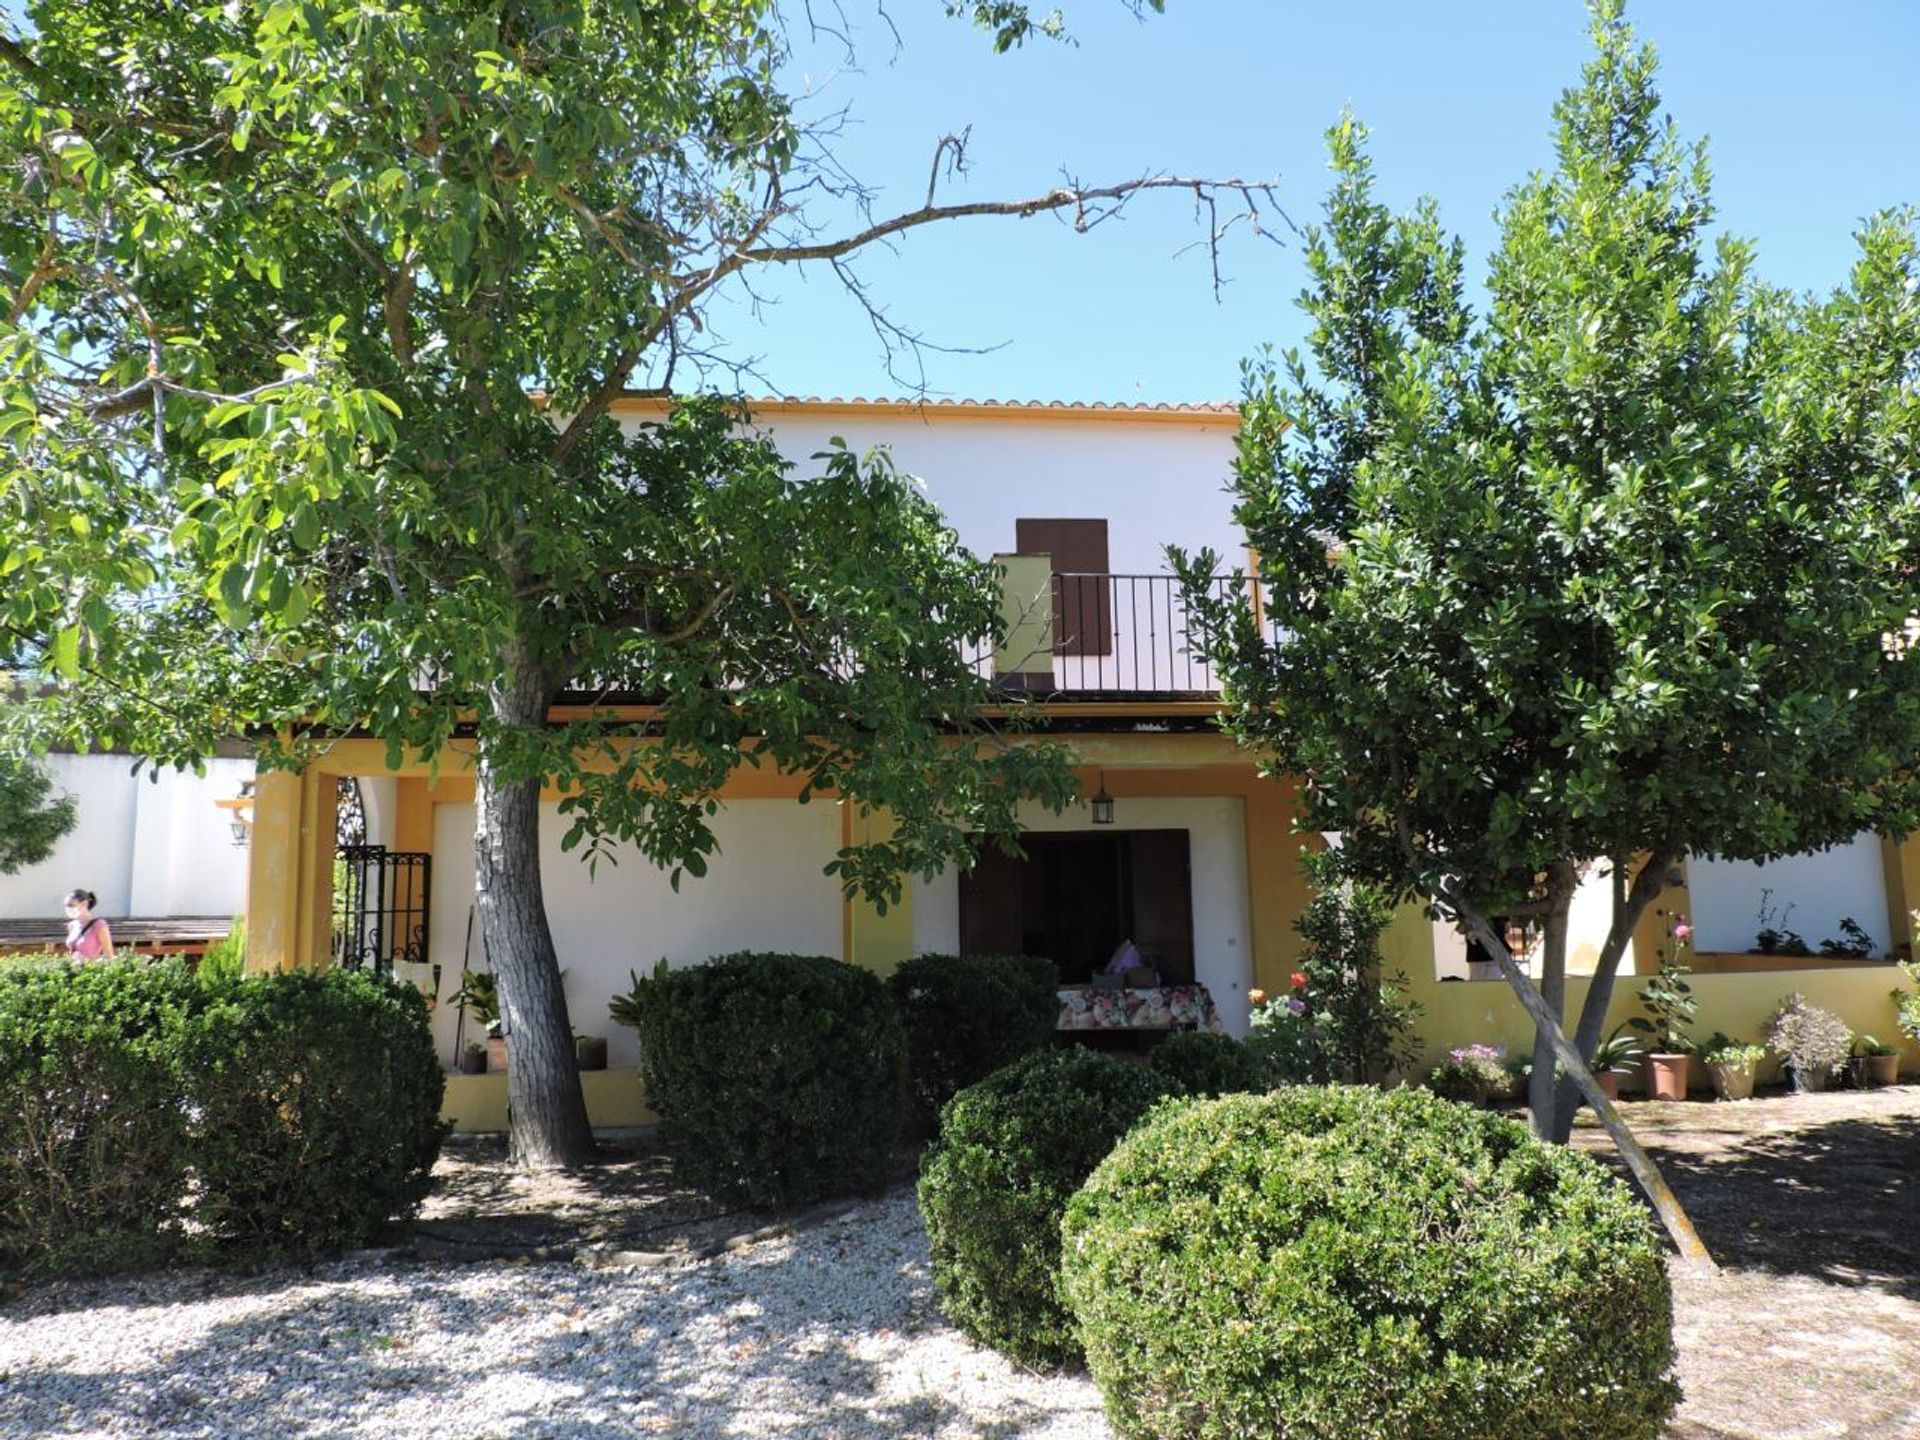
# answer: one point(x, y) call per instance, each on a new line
point(1222, 929)
point(147, 845)
point(1822, 887)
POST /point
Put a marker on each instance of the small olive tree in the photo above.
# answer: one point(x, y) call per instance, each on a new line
point(1597, 576)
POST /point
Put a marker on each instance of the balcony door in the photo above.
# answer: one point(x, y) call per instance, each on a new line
point(1077, 895)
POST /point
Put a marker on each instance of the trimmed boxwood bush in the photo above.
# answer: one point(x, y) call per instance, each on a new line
point(1196, 1063)
point(319, 1103)
point(94, 1143)
point(966, 1016)
point(145, 1115)
point(1011, 1151)
point(777, 1077)
point(1375, 1265)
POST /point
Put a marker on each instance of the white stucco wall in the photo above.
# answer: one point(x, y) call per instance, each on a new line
point(765, 890)
point(1155, 484)
point(149, 845)
point(1822, 887)
point(1222, 938)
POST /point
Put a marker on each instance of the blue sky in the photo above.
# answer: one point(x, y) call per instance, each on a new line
point(1812, 112)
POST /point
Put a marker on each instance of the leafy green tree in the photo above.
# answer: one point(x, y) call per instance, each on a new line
point(1598, 575)
point(316, 315)
point(32, 817)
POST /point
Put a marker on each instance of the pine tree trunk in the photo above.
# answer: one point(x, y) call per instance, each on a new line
point(546, 1111)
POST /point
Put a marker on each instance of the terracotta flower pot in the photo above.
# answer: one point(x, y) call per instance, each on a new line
point(496, 1054)
point(1667, 1077)
point(1732, 1082)
point(1880, 1069)
point(1806, 1081)
point(1609, 1083)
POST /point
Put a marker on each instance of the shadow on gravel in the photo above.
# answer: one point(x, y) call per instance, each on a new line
point(1837, 1201)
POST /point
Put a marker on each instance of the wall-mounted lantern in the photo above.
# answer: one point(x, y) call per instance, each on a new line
point(1102, 803)
point(240, 813)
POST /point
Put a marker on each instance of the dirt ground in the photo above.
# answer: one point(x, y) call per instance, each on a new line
point(1811, 1206)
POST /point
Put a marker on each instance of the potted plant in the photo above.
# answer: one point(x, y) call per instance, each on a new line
point(1810, 1041)
point(1670, 1006)
point(473, 1058)
point(590, 1052)
point(1731, 1064)
point(1616, 1055)
point(1906, 1003)
point(479, 996)
point(1875, 1063)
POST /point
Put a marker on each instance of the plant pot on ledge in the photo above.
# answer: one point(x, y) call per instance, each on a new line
point(1609, 1083)
point(590, 1052)
point(496, 1054)
point(1667, 1076)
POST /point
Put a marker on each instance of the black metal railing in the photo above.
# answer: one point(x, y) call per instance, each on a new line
point(1110, 634)
point(382, 903)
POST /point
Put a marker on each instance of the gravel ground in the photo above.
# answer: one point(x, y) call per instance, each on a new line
point(831, 1333)
point(1811, 1331)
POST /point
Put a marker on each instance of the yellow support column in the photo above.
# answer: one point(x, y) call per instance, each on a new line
point(1277, 888)
point(318, 836)
point(872, 940)
point(1650, 935)
point(1900, 857)
point(273, 872)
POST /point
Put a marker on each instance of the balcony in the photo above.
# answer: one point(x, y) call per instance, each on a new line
point(1083, 636)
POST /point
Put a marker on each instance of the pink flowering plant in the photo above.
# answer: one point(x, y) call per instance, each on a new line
point(1474, 1074)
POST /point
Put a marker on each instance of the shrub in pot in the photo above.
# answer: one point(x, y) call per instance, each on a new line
point(778, 1078)
point(1613, 1059)
point(1731, 1065)
point(1875, 1062)
point(1670, 1006)
point(1203, 1064)
point(1811, 1042)
point(965, 1016)
point(994, 1184)
point(1352, 1262)
point(1474, 1075)
point(473, 1058)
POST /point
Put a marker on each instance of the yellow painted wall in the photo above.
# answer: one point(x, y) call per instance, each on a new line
point(477, 1104)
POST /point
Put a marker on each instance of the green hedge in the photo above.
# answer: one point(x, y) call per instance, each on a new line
point(1197, 1063)
point(1375, 1266)
point(319, 1101)
point(94, 1139)
point(146, 1116)
point(1011, 1151)
point(778, 1078)
point(968, 1015)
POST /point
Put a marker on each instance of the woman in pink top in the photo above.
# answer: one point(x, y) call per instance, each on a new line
point(88, 937)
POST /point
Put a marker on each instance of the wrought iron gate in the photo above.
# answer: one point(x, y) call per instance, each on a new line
point(382, 903)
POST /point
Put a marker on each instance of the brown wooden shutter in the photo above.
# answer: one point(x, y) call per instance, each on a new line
point(991, 912)
point(1083, 601)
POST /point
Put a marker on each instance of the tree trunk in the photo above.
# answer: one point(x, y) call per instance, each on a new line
point(1652, 1183)
point(1562, 879)
point(1629, 904)
point(546, 1111)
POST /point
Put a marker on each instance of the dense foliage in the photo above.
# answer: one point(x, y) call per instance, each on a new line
point(778, 1078)
point(146, 1115)
point(1197, 1063)
point(1593, 576)
point(1367, 1265)
point(1011, 1151)
point(318, 317)
point(967, 1015)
